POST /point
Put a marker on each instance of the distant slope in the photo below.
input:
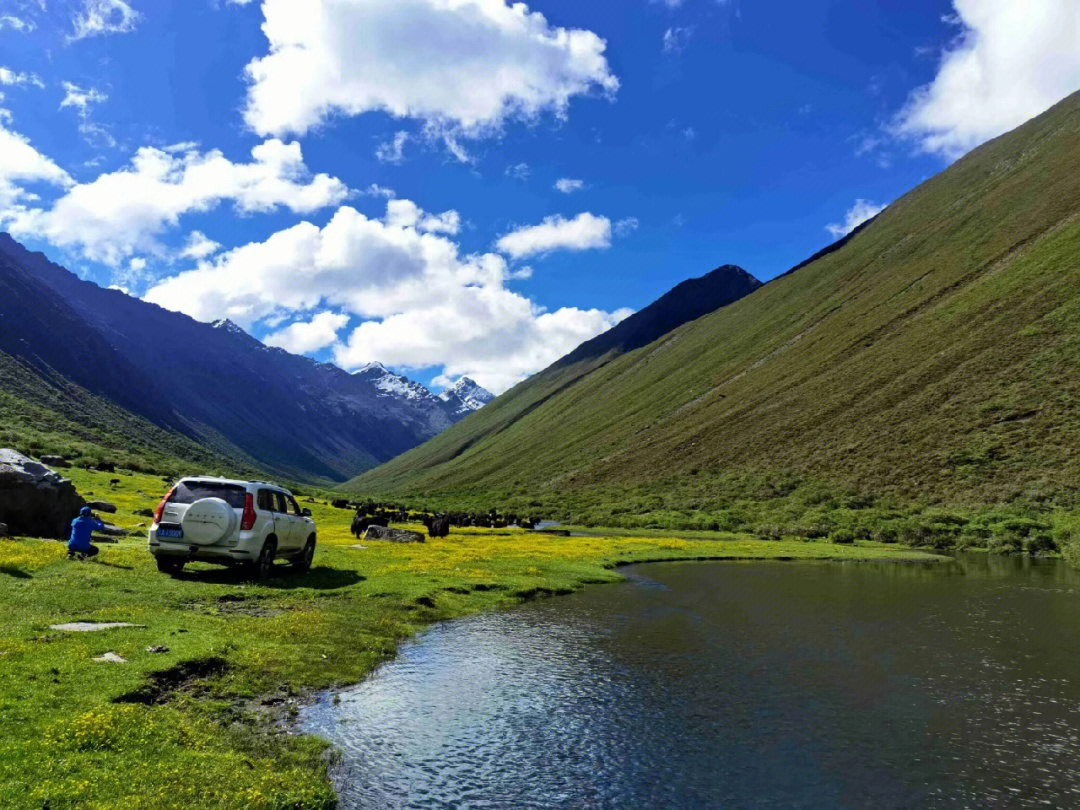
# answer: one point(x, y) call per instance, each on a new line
point(686, 302)
point(935, 355)
point(212, 384)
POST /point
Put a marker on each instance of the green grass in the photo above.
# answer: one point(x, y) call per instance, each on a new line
point(931, 362)
point(93, 735)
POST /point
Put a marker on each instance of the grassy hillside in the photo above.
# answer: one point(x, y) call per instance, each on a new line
point(45, 413)
point(933, 358)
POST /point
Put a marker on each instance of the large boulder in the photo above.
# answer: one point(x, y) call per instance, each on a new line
point(34, 500)
point(393, 535)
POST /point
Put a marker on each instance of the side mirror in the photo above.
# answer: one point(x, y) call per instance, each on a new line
point(305, 512)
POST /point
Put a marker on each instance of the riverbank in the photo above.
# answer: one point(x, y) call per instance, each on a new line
point(187, 719)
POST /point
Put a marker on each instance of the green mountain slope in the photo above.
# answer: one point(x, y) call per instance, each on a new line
point(934, 356)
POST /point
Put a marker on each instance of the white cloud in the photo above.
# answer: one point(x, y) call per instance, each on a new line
point(103, 17)
point(583, 232)
point(568, 185)
point(309, 336)
point(407, 214)
point(13, 78)
point(199, 246)
point(625, 227)
point(676, 38)
point(21, 165)
point(16, 23)
point(82, 101)
point(856, 216)
point(124, 212)
point(393, 151)
point(519, 171)
point(424, 304)
point(1011, 62)
point(463, 66)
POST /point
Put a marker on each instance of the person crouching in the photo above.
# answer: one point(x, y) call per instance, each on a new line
point(82, 527)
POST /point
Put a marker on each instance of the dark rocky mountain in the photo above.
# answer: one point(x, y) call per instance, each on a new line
point(214, 383)
point(683, 303)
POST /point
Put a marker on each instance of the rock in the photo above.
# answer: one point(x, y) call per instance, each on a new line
point(359, 547)
point(106, 466)
point(55, 461)
point(91, 627)
point(3, 530)
point(143, 513)
point(393, 535)
point(113, 531)
point(34, 500)
point(102, 506)
point(157, 649)
point(110, 658)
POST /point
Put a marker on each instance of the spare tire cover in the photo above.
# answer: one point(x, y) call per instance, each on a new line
point(207, 521)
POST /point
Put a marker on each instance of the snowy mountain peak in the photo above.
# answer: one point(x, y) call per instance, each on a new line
point(229, 326)
point(391, 384)
point(465, 396)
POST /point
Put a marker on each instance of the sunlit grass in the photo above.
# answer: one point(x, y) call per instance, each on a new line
point(205, 741)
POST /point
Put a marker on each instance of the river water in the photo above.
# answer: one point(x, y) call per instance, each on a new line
point(735, 685)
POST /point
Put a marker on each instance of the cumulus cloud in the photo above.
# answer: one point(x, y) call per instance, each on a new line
point(103, 17)
point(461, 66)
point(856, 216)
point(583, 232)
point(21, 165)
point(124, 212)
point(199, 246)
point(1010, 62)
point(309, 336)
point(423, 303)
point(568, 185)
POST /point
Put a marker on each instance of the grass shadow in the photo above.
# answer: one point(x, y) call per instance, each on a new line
point(320, 577)
point(14, 571)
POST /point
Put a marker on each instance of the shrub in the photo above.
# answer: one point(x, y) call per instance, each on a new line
point(1041, 543)
point(843, 537)
point(1007, 543)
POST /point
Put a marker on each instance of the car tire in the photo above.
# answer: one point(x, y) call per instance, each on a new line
point(169, 566)
point(263, 566)
point(301, 564)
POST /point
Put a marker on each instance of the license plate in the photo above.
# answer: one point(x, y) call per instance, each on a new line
point(177, 533)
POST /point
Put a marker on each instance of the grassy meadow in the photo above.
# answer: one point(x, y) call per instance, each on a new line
point(203, 722)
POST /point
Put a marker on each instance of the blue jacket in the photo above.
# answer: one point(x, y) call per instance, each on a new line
point(81, 529)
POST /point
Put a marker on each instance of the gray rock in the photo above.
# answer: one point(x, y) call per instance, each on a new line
point(55, 461)
point(393, 535)
point(143, 513)
point(110, 658)
point(3, 530)
point(34, 500)
point(103, 506)
point(113, 531)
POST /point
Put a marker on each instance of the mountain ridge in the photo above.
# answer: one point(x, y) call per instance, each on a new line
point(928, 355)
point(216, 384)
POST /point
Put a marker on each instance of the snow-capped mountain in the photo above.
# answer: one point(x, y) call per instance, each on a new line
point(465, 396)
point(395, 385)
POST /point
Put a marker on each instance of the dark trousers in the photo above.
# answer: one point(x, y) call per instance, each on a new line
point(90, 552)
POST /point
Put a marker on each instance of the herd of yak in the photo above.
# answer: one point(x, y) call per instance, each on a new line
point(368, 515)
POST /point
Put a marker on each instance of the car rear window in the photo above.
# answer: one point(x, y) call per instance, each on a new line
point(191, 491)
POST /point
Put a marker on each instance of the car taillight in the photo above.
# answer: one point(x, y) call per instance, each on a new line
point(161, 506)
point(247, 522)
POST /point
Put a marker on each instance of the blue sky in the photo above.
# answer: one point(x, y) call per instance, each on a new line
point(403, 202)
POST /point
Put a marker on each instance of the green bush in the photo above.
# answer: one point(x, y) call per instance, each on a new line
point(843, 537)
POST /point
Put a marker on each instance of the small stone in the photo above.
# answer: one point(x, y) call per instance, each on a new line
point(157, 649)
point(103, 506)
point(110, 658)
point(359, 547)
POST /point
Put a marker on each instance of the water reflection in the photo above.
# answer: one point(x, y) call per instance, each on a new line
point(736, 685)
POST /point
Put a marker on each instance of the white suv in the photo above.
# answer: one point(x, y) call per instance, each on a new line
point(248, 523)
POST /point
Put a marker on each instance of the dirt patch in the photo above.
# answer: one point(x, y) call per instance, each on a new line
point(189, 677)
